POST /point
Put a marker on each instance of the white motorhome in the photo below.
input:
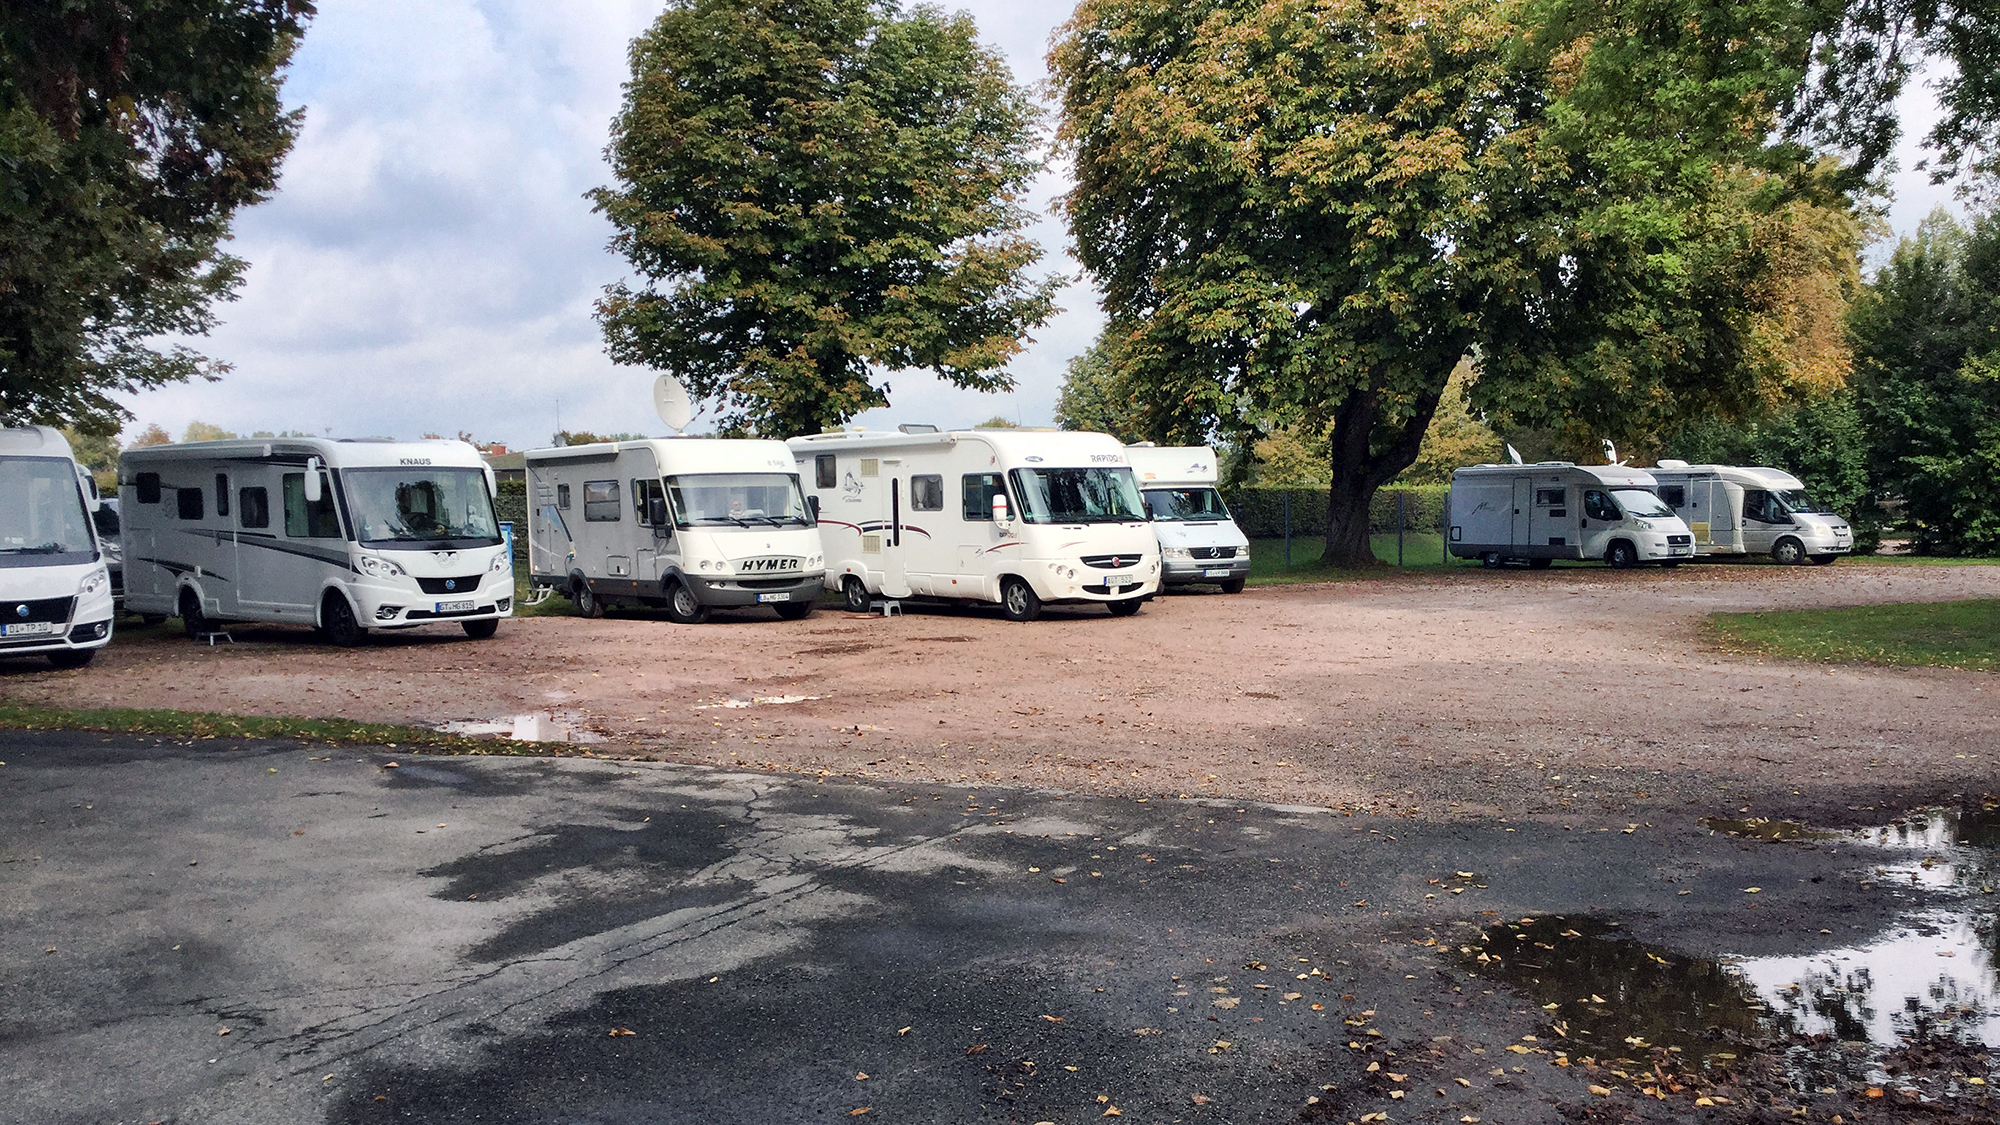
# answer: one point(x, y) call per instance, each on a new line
point(1198, 540)
point(1559, 510)
point(55, 590)
point(682, 523)
point(346, 535)
point(1734, 510)
point(1024, 518)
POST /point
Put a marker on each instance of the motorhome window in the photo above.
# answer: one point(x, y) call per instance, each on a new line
point(646, 496)
point(1674, 495)
point(320, 520)
point(253, 507)
point(106, 519)
point(1757, 505)
point(1598, 506)
point(600, 501)
point(43, 522)
point(221, 494)
point(980, 489)
point(187, 503)
point(562, 496)
point(421, 508)
point(927, 493)
point(1104, 495)
point(1550, 497)
point(738, 499)
point(824, 473)
point(1797, 500)
point(1185, 504)
point(149, 488)
point(1640, 503)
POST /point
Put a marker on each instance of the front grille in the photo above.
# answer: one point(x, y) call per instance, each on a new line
point(433, 615)
point(1679, 540)
point(767, 583)
point(1212, 552)
point(36, 609)
point(457, 585)
point(1111, 562)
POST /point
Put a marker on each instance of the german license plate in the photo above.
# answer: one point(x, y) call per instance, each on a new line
point(455, 607)
point(1680, 550)
point(29, 629)
point(1218, 572)
point(781, 596)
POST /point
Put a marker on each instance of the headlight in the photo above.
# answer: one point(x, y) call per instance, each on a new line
point(93, 582)
point(379, 568)
point(1175, 553)
point(1644, 525)
point(501, 561)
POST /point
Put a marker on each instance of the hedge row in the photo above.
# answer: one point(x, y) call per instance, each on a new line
point(1260, 512)
point(511, 504)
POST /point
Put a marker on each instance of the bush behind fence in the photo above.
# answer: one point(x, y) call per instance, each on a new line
point(1260, 512)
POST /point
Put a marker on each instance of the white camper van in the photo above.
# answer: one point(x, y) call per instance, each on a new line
point(1019, 517)
point(1752, 511)
point(55, 592)
point(1198, 540)
point(343, 535)
point(1559, 510)
point(682, 523)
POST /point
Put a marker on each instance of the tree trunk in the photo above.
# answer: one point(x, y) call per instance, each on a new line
point(1360, 468)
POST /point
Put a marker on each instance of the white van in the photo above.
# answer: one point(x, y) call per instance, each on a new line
point(682, 523)
point(1024, 518)
point(55, 591)
point(1559, 510)
point(1198, 540)
point(347, 535)
point(1734, 510)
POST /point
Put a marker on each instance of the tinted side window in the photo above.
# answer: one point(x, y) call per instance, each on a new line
point(927, 494)
point(649, 498)
point(980, 489)
point(1598, 506)
point(600, 501)
point(1674, 495)
point(310, 521)
point(253, 507)
point(149, 488)
point(824, 474)
point(221, 494)
point(187, 503)
point(562, 496)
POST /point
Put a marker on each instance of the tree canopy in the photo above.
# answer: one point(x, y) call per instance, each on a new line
point(131, 131)
point(813, 191)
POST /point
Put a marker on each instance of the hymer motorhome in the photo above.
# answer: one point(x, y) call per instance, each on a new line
point(1198, 540)
point(55, 591)
point(682, 523)
point(346, 535)
point(1024, 518)
point(1558, 510)
point(1734, 510)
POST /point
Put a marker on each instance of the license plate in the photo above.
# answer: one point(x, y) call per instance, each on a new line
point(455, 607)
point(1218, 572)
point(1680, 550)
point(784, 596)
point(30, 629)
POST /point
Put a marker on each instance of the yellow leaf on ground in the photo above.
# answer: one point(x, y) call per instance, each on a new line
point(1752, 890)
point(1600, 1091)
point(862, 1110)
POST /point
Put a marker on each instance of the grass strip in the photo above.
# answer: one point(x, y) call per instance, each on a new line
point(206, 724)
point(1963, 635)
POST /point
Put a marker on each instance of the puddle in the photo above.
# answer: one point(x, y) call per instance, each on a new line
point(1758, 828)
point(757, 701)
point(532, 727)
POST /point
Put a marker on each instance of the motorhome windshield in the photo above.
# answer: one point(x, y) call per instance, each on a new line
point(738, 499)
point(1185, 504)
point(1078, 495)
point(41, 514)
point(1796, 500)
point(1641, 504)
point(421, 509)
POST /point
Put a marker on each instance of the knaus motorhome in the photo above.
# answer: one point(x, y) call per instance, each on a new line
point(1023, 518)
point(344, 535)
point(1558, 510)
point(1752, 511)
point(682, 523)
point(1198, 540)
point(55, 592)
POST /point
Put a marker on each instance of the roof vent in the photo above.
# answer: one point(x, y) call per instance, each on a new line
point(916, 428)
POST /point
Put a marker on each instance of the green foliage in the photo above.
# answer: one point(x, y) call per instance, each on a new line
point(1260, 510)
point(131, 131)
point(998, 422)
point(1824, 444)
point(153, 434)
point(1935, 634)
point(206, 431)
point(1455, 437)
point(814, 189)
point(585, 437)
point(93, 451)
point(1094, 400)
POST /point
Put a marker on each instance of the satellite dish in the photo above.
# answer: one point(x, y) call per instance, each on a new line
point(671, 402)
point(1513, 454)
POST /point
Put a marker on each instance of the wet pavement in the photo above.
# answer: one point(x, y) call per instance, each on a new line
point(254, 932)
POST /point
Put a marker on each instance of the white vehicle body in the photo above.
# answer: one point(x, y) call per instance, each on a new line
point(55, 589)
point(1198, 540)
point(1018, 517)
point(1735, 510)
point(343, 535)
point(1559, 510)
point(683, 523)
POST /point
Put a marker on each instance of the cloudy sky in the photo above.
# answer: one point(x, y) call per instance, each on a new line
point(429, 262)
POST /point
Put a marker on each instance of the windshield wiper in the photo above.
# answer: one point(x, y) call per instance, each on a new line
point(40, 549)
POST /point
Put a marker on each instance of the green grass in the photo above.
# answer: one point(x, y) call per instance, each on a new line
point(204, 724)
point(1421, 551)
point(1934, 634)
point(1913, 560)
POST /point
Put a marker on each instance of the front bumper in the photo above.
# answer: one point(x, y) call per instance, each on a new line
point(755, 591)
point(1182, 572)
point(397, 604)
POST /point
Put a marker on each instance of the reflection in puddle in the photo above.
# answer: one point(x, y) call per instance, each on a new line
point(531, 727)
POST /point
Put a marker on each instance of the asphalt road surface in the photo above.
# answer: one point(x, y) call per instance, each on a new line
point(261, 932)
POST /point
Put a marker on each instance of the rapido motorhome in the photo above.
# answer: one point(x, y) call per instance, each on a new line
point(1752, 511)
point(55, 592)
point(1198, 540)
point(682, 523)
point(1019, 517)
point(1558, 510)
point(343, 535)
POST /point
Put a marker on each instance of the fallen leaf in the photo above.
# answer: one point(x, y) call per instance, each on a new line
point(1600, 1091)
point(1463, 1082)
point(1397, 1095)
point(618, 1031)
point(1468, 1119)
point(1199, 1099)
point(861, 1076)
point(1228, 1002)
point(222, 1031)
point(859, 1112)
point(1704, 1101)
point(1053, 1019)
point(1294, 995)
point(902, 1031)
point(1752, 890)
point(1874, 1091)
point(1112, 1111)
point(975, 1049)
point(1975, 1081)
point(389, 765)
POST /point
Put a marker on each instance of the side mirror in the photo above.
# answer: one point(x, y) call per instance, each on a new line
point(1001, 516)
point(656, 511)
point(313, 493)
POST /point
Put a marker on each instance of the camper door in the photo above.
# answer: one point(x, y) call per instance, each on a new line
point(654, 546)
point(894, 498)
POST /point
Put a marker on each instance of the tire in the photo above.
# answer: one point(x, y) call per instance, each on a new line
point(1540, 564)
point(682, 608)
point(1491, 560)
point(1232, 585)
point(72, 658)
point(854, 594)
point(1018, 600)
point(1788, 552)
point(588, 604)
point(193, 622)
point(793, 611)
point(1821, 560)
point(480, 630)
point(1126, 608)
point(338, 623)
point(1622, 555)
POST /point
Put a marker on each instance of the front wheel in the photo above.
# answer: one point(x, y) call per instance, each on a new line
point(1232, 585)
point(793, 611)
point(1491, 560)
point(72, 657)
point(1126, 608)
point(337, 620)
point(854, 594)
point(1622, 555)
point(480, 630)
point(1788, 552)
point(1019, 602)
point(682, 608)
point(588, 604)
